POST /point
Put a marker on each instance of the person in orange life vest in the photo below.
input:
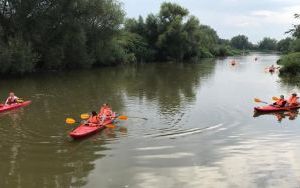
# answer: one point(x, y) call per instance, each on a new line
point(101, 111)
point(12, 99)
point(105, 112)
point(281, 102)
point(94, 119)
point(293, 100)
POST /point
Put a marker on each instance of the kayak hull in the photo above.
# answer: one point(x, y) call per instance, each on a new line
point(271, 108)
point(85, 130)
point(14, 106)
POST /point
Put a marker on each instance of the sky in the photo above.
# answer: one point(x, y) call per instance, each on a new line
point(254, 18)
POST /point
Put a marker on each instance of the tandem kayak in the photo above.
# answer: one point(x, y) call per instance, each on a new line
point(6, 108)
point(272, 108)
point(85, 130)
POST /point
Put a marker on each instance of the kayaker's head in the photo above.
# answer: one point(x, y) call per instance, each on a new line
point(281, 96)
point(105, 105)
point(94, 113)
point(294, 94)
point(11, 94)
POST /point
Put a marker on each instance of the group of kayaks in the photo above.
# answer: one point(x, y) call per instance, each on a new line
point(83, 130)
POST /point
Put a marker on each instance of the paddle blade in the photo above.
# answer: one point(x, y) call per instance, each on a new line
point(275, 98)
point(123, 117)
point(110, 126)
point(70, 121)
point(20, 101)
point(84, 116)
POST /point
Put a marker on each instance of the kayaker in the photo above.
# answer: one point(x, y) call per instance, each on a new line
point(293, 100)
point(281, 102)
point(105, 112)
point(12, 99)
point(94, 119)
point(233, 62)
point(272, 68)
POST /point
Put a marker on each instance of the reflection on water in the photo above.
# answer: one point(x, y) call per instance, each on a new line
point(190, 125)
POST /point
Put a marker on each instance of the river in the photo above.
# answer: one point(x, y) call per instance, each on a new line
point(190, 125)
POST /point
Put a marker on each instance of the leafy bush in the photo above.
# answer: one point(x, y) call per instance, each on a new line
point(290, 64)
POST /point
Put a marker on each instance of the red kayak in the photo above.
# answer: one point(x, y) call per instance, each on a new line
point(272, 108)
point(271, 70)
point(5, 108)
point(84, 130)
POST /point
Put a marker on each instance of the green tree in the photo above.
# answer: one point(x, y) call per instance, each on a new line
point(284, 45)
point(267, 44)
point(296, 28)
point(240, 42)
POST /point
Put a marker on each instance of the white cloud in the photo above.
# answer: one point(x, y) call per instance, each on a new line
point(265, 18)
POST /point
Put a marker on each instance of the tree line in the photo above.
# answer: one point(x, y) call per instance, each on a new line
point(45, 35)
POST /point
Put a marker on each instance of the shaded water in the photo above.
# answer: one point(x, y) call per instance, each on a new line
point(200, 130)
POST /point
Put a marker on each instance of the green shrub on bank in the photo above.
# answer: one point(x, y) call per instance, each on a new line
point(290, 64)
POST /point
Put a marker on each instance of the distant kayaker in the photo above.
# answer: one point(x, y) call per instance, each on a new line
point(281, 102)
point(12, 99)
point(293, 100)
point(94, 119)
point(272, 68)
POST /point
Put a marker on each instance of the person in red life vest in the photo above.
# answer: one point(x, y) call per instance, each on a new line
point(105, 112)
point(12, 99)
point(281, 102)
point(94, 119)
point(293, 100)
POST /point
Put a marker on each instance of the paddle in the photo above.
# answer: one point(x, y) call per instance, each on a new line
point(260, 101)
point(86, 116)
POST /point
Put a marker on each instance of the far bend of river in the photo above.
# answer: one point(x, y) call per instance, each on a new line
point(200, 130)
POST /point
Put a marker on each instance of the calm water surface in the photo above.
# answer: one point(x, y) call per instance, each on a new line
point(200, 130)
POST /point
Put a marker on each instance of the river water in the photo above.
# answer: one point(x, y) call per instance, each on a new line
point(190, 125)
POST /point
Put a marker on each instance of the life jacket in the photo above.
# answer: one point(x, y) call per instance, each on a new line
point(107, 112)
point(11, 100)
point(101, 111)
point(93, 119)
point(280, 102)
point(293, 100)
